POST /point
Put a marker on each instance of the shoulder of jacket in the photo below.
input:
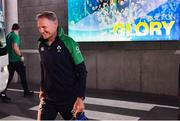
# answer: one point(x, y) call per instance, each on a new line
point(68, 40)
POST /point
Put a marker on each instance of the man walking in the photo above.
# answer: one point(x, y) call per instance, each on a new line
point(63, 78)
point(15, 62)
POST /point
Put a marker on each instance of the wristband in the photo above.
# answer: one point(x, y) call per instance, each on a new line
point(20, 56)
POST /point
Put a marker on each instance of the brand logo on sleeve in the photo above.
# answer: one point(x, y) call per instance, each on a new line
point(77, 49)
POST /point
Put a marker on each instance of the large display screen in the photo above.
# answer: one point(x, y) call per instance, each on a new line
point(124, 20)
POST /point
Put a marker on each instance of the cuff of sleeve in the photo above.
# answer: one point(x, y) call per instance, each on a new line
point(81, 96)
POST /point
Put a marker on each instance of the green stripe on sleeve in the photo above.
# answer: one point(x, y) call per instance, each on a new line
point(73, 48)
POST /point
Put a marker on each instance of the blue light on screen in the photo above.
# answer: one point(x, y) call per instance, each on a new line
point(131, 20)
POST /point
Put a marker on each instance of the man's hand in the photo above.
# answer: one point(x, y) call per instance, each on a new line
point(41, 103)
point(41, 99)
point(41, 96)
point(78, 106)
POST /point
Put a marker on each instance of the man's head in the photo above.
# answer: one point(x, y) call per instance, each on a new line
point(47, 24)
point(15, 27)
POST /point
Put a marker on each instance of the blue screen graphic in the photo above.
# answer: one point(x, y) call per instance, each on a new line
point(128, 20)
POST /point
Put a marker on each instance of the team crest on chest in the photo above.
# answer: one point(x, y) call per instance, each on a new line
point(58, 48)
point(42, 49)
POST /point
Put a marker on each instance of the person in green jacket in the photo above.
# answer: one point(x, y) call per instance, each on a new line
point(63, 71)
point(16, 62)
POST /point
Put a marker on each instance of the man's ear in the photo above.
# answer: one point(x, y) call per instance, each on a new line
point(56, 23)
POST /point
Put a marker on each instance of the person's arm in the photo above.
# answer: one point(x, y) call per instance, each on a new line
point(81, 78)
point(81, 88)
point(41, 94)
point(80, 71)
point(17, 51)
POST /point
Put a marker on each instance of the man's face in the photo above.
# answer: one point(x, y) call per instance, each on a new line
point(47, 28)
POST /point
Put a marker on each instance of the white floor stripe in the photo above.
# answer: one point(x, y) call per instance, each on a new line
point(108, 116)
point(35, 108)
point(124, 104)
point(101, 115)
point(117, 103)
point(19, 90)
point(16, 118)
